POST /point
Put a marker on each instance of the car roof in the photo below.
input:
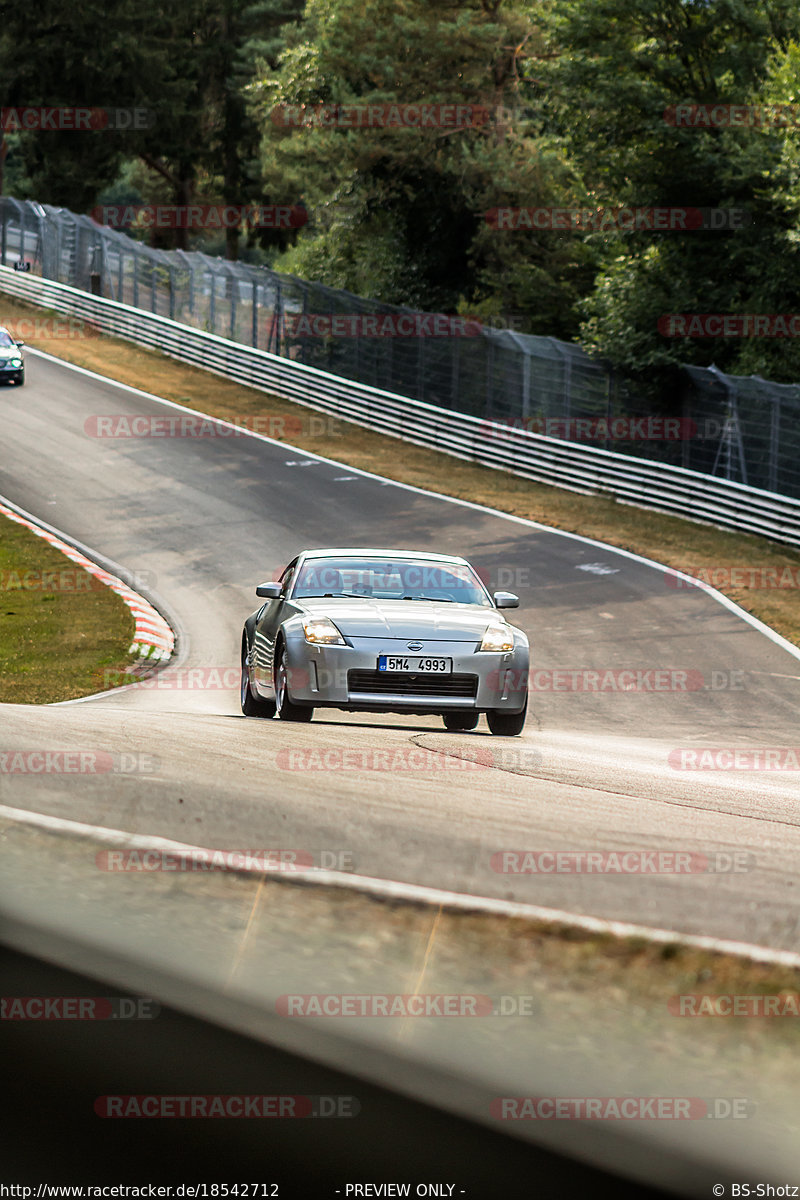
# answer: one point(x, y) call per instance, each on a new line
point(370, 552)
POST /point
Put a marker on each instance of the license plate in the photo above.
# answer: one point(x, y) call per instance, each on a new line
point(415, 666)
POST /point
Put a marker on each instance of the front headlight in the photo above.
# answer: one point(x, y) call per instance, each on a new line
point(322, 632)
point(15, 362)
point(497, 637)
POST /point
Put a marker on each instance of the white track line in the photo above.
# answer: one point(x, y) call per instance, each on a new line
point(395, 890)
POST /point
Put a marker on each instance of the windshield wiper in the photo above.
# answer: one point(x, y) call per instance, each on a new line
point(435, 599)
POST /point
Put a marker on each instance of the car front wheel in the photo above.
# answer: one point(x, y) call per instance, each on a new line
point(460, 721)
point(507, 724)
point(250, 706)
point(287, 711)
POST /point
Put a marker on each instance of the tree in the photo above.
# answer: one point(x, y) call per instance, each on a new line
point(188, 66)
point(400, 211)
point(625, 65)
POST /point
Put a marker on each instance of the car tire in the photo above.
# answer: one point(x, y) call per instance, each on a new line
point(460, 722)
point(287, 711)
point(506, 724)
point(251, 707)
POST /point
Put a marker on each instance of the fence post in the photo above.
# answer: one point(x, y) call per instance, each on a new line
point(455, 381)
point(56, 227)
point(22, 233)
point(304, 340)
point(731, 431)
point(774, 442)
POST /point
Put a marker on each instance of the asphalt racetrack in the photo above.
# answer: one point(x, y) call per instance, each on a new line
point(599, 771)
point(202, 520)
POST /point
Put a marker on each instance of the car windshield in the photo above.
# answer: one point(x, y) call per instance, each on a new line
point(391, 579)
point(6, 339)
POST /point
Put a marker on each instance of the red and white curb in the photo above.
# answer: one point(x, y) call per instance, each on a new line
point(154, 640)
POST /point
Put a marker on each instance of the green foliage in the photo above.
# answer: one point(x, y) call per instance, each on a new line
point(578, 96)
point(623, 65)
point(189, 66)
point(424, 190)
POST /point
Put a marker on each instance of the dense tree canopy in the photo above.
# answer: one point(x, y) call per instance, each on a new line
point(580, 106)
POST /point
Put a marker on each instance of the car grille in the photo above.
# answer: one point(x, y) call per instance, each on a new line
point(396, 683)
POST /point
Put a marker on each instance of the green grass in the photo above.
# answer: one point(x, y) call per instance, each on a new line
point(57, 638)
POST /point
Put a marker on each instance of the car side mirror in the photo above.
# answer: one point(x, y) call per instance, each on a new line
point(269, 591)
point(20, 343)
point(505, 600)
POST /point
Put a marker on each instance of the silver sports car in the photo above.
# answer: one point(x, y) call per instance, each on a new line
point(385, 631)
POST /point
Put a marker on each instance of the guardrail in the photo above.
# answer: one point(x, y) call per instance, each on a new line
point(570, 465)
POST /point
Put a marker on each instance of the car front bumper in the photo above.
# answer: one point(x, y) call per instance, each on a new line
point(347, 677)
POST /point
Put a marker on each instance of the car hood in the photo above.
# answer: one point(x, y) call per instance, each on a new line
point(10, 352)
point(422, 620)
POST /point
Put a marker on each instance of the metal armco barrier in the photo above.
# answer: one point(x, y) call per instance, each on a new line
point(565, 464)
